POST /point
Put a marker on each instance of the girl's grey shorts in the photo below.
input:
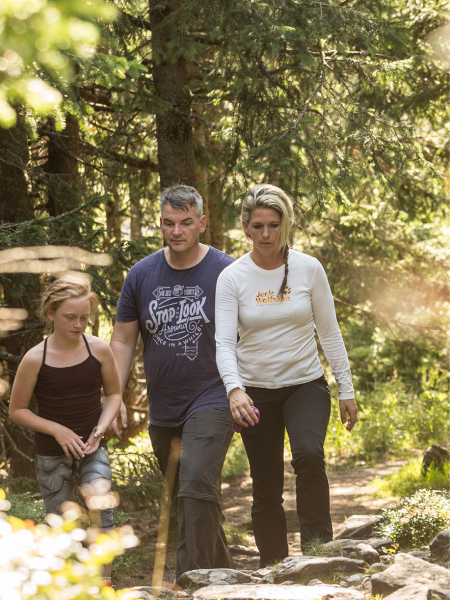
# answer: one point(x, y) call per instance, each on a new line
point(55, 473)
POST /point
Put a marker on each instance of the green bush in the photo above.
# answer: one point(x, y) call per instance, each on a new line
point(410, 479)
point(393, 420)
point(135, 473)
point(416, 520)
point(236, 461)
point(27, 506)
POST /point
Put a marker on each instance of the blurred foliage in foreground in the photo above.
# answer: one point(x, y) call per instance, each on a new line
point(59, 560)
point(416, 520)
point(37, 39)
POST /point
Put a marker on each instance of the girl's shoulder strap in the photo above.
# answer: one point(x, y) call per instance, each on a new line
point(87, 345)
point(45, 352)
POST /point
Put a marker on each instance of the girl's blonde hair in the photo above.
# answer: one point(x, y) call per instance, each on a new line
point(64, 289)
point(264, 195)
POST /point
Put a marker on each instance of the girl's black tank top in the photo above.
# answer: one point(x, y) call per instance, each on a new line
point(70, 396)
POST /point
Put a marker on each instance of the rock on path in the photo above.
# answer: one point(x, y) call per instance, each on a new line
point(408, 570)
point(277, 592)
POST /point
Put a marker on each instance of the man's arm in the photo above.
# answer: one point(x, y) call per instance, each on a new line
point(123, 343)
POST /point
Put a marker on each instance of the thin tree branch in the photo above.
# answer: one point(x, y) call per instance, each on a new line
point(10, 357)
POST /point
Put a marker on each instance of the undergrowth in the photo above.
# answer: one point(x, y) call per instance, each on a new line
point(236, 461)
point(410, 479)
point(133, 561)
point(393, 420)
point(236, 536)
point(135, 474)
point(415, 521)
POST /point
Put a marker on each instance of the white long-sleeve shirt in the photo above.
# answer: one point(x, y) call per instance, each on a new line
point(276, 345)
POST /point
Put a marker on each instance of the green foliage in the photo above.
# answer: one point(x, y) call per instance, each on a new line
point(37, 38)
point(236, 461)
point(393, 420)
point(27, 506)
point(133, 561)
point(410, 478)
point(135, 474)
point(415, 520)
point(235, 535)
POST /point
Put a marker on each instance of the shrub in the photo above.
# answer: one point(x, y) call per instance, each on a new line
point(410, 479)
point(58, 561)
point(135, 473)
point(393, 420)
point(236, 461)
point(415, 520)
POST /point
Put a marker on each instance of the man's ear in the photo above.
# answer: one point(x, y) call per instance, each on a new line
point(203, 221)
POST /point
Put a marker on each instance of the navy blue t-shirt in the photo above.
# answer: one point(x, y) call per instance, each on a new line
point(175, 309)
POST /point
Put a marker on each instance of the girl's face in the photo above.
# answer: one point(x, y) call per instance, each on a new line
point(71, 318)
point(264, 229)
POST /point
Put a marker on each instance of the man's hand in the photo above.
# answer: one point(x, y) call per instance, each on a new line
point(242, 405)
point(348, 406)
point(114, 427)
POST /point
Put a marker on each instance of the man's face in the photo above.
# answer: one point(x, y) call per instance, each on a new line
point(181, 228)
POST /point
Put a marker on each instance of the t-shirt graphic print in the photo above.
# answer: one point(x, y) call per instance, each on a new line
point(177, 318)
point(176, 313)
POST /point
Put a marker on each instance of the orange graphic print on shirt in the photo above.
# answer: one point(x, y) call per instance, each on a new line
point(271, 298)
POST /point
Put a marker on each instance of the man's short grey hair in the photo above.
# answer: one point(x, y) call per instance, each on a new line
point(182, 196)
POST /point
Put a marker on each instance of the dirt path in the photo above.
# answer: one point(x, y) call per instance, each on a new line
point(349, 490)
point(350, 495)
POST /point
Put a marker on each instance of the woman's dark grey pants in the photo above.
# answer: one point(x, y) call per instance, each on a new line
point(304, 411)
point(205, 438)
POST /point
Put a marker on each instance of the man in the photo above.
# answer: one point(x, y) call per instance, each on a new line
point(169, 297)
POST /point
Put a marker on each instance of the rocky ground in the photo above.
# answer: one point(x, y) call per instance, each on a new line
point(352, 569)
point(350, 495)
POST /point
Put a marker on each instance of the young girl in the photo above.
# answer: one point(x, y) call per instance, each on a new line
point(66, 372)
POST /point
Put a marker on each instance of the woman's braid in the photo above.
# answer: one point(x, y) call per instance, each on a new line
point(286, 272)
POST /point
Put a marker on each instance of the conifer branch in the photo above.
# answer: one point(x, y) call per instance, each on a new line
point(144, 164)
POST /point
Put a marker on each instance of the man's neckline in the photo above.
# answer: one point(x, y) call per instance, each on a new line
point(186, 268)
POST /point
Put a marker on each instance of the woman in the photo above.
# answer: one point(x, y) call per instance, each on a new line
point(272, 297)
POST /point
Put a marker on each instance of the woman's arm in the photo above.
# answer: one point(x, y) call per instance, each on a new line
point(226, 351)
point(19, 412)
point(333, 345)
point(113, 395)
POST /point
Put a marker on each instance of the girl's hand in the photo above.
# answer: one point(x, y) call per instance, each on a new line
point(242, 405)
point(70, 442)
point(94, 439)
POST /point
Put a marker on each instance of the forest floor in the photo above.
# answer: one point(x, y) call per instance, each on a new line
point(350, 495)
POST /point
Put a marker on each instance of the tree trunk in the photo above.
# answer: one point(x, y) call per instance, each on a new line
point(173, 128)
point(61, 168)
point(15, 206)
point(20, 291)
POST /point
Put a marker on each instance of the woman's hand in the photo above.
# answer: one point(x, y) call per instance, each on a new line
point(94, 439)
point(69, 441)
point(348, 406)
point(241, 405)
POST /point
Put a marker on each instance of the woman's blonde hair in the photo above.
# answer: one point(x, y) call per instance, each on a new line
point(64, 289)
point(264, 195)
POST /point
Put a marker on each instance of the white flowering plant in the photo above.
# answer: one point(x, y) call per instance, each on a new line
point(59, 560)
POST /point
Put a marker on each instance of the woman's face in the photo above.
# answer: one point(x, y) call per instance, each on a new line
point(264, 229)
